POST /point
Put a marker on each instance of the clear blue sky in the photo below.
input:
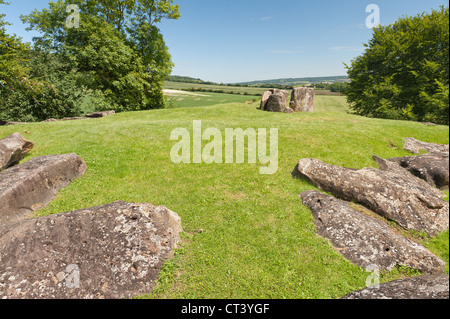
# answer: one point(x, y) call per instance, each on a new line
point(244, 40)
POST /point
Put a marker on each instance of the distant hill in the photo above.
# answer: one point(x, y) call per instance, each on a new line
point(297, 81)
point(282, 82)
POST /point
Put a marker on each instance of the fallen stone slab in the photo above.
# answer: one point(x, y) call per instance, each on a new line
point(30, 186)
point(364, 240)
point(433, 167)
point(415, 146)
point(422, 287)
point(303, 99)
point(100, 114)
point(111, 251)
point(394, 196)
point(12, 149)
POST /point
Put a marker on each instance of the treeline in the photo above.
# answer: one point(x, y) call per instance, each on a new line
point(108, 52)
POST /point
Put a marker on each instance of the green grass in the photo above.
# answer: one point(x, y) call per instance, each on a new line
point(246, 235)
point(205, 99)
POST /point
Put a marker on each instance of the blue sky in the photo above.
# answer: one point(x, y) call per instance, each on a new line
point(244, 40)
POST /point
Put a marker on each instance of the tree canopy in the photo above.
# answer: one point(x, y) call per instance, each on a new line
point(115, 55)
point(404, 71)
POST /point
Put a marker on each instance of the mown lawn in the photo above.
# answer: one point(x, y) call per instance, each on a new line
point(246, 235)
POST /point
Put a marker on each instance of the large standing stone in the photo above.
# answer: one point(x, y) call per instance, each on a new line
point(397, 197)
point(274, 100)
point(30, 186)
point(303, 99)
point(366, 241)
point(423, 287)
point(110, 251)
point(12, 149)
point(415, 146)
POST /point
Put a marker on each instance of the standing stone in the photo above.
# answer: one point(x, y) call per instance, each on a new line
point(303, 99)
point(364, 240)
point(422, 287)
point(30, 186)
point(274, 100)
point(398, 197)
point(12, 149)
point(111, 251)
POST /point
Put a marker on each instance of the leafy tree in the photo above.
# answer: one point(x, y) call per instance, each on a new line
point(404, 72)
point(117, 46)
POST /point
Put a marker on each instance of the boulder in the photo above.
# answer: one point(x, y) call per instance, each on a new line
point(288, 110)
point(100, 114)
point(433, 167)
point(110, 251)
point(415, 146)
point(30, 186)
point(274, 100)
point(422, 287)
point(303, 99)
point(364, 240)
point(12, 149)
point(395, 196)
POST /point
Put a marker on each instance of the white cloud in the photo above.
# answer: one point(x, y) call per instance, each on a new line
point(266, 18)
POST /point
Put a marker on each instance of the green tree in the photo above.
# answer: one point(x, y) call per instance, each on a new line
point(117, 46)
point(404, 72)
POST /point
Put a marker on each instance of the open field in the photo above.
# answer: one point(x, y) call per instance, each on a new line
point(246, 235)
point(226, 89)
point(177, 98)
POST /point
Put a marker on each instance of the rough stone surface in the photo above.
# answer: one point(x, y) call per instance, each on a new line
point(288, 110)
point(12, 149)
point(415, 146)
point(274, 100)
point(433, 167)
point(100, 114)
point(303, 99)
point(111, 251)
point(423, 287)
point(392, 195)
point(30, 186)
point(364, 240)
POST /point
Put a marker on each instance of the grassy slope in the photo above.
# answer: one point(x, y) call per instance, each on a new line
point(258, 240)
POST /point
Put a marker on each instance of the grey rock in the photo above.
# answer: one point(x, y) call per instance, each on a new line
point(12, 149)
point(100, 114)
point(274, 100)
point(422, 287)
point(415, 146)
point(395, 196)
point(288, 110)
point(111, 251)
point(303, 99)
point(30, 186)
point(433, 167)
point(364, 240)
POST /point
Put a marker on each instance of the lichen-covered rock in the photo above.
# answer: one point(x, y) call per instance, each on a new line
point(423, 287)
point(12, 149)
point(366, 241)
point(433, 167)
point(392, 195)
point(415, 146)
point(303, 99)
point(110, 251)
point(274, 100)
point(30, 186)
